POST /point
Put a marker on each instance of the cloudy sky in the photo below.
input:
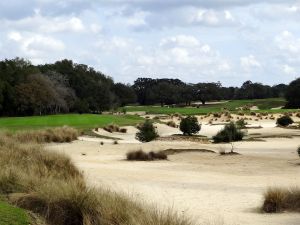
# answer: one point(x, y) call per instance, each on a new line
point(194, 40)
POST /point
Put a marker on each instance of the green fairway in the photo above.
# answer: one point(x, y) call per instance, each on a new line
point(263, 105)
point(10, 215)
point(83, 121)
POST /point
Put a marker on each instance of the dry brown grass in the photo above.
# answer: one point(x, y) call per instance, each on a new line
point(112, 128)
point(140, 155)
point(281, 199)
point(60, 134)
point(49, 185)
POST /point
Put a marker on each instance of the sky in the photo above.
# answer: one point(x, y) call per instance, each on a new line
point(230, 41)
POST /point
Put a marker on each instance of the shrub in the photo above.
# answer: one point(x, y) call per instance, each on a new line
point(252, 113)
point(217, 115)
point(123, 130)
point(190, 125)
point(230, 133)
point(241, 123)
point(111, 128)
point(140, 155)
point(280, 199)
point(171, 124)
point(124, 110)
point(298, 151)
point(284, 121)
point(147, 132)
point(115, 142)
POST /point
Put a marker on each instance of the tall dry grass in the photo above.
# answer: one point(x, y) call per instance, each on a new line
point(48, 184)
point(59, 134)
point(281, 199)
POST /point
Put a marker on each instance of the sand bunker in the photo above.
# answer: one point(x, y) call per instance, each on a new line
point(206, 186)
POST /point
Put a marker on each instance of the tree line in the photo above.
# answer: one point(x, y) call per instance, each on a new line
point(65, 86)
point(173, 91)
point(61, 87)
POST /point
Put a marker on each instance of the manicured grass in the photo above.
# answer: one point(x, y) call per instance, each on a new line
point(83, 121)
point(10, 215)
point(264, 105)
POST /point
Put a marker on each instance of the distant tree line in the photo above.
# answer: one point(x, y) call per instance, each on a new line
point(173, 91)
point(65, 86)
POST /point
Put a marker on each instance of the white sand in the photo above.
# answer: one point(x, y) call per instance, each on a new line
point(207, 187)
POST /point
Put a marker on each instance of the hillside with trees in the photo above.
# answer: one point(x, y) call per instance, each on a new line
point(64, 87)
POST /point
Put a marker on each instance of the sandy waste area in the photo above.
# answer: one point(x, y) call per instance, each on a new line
point(207, 187)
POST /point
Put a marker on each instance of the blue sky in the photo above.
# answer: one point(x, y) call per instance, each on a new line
point(194, 40)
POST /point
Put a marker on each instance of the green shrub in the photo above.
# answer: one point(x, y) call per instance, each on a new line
point(230, 133)
point(241, 123)
point(147, 132)
point(298, 151)
point(189, 125)
point(284, 121)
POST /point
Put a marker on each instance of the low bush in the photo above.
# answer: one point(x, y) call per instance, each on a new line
point(140, 155)
point(171, 124)
point(146, 132)
point(284, 121)
point(281, 199)
point(241, 123)
point(111, 128)
point(123, 130)
point(298, 151)
point(189, 125)
point(229, 133)
point(217, 115)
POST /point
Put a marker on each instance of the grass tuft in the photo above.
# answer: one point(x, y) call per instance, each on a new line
point(140, 155)
point(48, 184)
point(60, 134)
point(281, 199)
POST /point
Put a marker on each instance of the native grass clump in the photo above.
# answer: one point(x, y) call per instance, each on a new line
point(48, 184)
point(140, 155)
point(281, 199)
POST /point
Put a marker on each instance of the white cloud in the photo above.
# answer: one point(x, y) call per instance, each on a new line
point(15, 36)
point(39, 23)
point(289, 70)
point(249, 62)
point(96, 28)
point(131, 38)
point(212, 17)
point(286, 41)
point(35, 45)
point(179, 40)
